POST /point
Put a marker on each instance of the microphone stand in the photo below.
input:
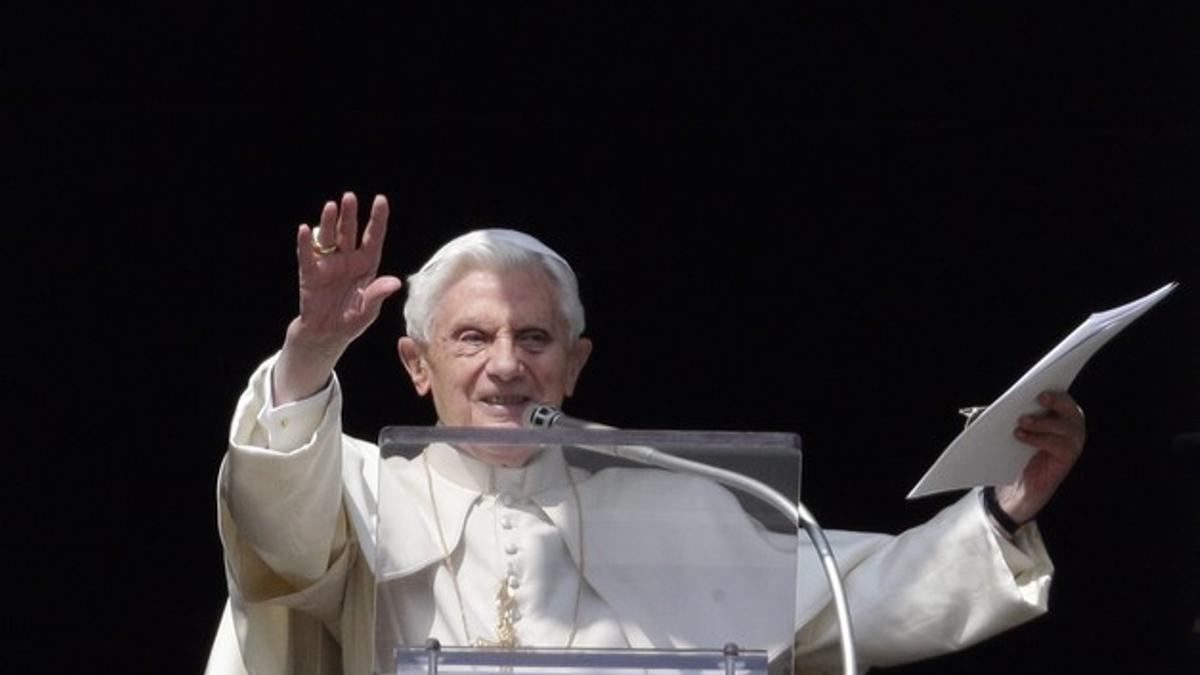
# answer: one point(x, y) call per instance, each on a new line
point(544, 416)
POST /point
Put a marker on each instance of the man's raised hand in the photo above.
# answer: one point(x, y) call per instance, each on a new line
point(340, 294)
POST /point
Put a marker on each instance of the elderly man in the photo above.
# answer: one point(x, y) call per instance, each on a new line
point(494, 323)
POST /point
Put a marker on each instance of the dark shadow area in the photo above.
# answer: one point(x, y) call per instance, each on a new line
point(843, 224)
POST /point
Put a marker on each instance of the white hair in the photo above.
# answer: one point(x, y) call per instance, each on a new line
point(488, 249)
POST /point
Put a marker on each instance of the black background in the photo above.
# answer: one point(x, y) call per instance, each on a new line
point(844, 223)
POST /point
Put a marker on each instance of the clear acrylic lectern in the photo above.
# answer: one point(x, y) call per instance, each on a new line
point(657, 570)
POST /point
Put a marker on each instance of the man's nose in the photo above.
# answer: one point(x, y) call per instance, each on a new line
point(504, 361)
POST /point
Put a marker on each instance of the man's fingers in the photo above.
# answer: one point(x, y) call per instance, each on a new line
point(347, 231)
point(1049, 424)
point(372, 240)
point(326, 232)
point(305, 254)
point(378, 291)
point(1055, 443)
point(338, 230)
point(1062, 403)
point(1033, 429)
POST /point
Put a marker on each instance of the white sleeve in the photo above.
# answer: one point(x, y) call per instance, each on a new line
point(291, 425)
point(281, 481)
point(935, 588)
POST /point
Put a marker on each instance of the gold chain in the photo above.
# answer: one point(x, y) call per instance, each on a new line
point(506, 604)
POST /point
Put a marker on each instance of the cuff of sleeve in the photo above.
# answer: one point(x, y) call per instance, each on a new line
point(1000, 521)
point(1023, 552)
point(292, 425)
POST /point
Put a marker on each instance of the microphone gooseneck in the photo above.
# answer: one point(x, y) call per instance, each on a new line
point(542, 415)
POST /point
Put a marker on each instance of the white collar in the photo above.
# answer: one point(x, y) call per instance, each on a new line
point(545, 471)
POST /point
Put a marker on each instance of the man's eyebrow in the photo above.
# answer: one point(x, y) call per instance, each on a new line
point(542, 325)
point(545, 327)
point(465, 322)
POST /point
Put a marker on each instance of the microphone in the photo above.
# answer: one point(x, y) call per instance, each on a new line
point(546, 416)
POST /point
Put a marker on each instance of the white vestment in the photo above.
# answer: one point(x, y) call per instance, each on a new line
point(299, 503)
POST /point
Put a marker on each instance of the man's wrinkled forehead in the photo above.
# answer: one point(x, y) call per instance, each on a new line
point(524, 295)
point(452, 251)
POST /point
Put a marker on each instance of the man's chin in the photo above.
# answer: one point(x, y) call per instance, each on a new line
point(496, 454)
point(507, 420)
point(502, 455)
point(505, 423)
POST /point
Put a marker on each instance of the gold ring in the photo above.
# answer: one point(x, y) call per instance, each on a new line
point(319, 248)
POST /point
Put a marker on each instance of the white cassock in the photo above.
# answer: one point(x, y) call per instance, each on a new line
point(299, 503)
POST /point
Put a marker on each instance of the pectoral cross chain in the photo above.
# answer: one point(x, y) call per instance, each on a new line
point(506, 615)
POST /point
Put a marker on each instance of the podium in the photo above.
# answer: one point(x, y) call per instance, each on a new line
point(670, 571)
point(439, 660)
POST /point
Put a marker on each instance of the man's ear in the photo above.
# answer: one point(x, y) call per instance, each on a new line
point(577, 359)
point(412, 355)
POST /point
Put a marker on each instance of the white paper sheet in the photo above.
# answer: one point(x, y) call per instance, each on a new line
point(986, 453)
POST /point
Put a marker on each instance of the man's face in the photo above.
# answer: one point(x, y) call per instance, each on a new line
point(498, 342)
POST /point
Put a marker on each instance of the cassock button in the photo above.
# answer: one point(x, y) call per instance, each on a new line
point(506, 499)
point(506, 523)
point(514, 583)
point(510, 549)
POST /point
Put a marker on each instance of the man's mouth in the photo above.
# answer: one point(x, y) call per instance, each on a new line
point(506, 401)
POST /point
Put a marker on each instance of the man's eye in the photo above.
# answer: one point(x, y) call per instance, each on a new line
point(534, 341)
point(471, 341)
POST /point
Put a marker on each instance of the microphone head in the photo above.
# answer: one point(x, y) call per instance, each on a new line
point(540, 415)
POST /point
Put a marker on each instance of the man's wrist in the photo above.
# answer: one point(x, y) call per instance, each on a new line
point(999, 517)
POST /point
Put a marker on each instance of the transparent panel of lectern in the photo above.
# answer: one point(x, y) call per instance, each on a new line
point(585, 554)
